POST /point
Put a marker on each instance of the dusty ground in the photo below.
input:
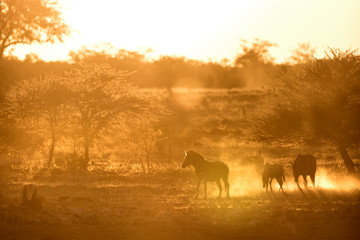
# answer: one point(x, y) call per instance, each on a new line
point(163, 207)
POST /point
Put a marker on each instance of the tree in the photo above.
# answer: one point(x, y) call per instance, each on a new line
point(254, 62)
point(28, 21)
point(101, 96)
point(256, 53)
point(41, 105)
point(141, 143)
point(116, 58)
point(168, 70)
point(316, 101)
point(302, 53)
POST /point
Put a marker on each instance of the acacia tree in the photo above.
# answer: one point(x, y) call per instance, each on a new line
point(41, 105)
point(101, 96)
point(28, 21)
point(316, 101)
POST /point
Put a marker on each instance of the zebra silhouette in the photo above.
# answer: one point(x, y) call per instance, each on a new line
point(207, 171)
point(304, 165)
point(270, 172)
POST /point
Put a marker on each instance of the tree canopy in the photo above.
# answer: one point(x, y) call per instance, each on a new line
point(100, 95)
point(28, 21)
point(40, 105)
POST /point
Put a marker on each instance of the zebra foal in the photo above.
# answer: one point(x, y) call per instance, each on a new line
point(270, 172)
point(207, 171)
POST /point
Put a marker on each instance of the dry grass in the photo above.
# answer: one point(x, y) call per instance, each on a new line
point(162, 206)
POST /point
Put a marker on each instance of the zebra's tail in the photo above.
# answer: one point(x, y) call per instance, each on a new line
point(226, 174)
point(283, 176)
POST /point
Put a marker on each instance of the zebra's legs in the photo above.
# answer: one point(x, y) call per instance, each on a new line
point(297, 183)
point(227, 185)
point(267, 185)
point(298, 186)
point(270, 184)
point(205, 188)
point(227, 188)
point(280, 183)
point(305, 181)
point(197, 187)
point(219, 186)
point(313, 179)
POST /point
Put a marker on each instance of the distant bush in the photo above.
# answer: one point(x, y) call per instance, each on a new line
point(68, 161)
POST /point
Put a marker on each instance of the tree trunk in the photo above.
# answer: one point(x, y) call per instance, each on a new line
point(1, 53)
point(347, 160)
point(51, 153)
point(85, 162)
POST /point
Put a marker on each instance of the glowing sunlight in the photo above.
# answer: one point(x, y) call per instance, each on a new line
point(204, 30)
point(191, 119)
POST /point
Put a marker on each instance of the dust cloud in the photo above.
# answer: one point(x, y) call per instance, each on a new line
point(327, 179)
point(245, 180)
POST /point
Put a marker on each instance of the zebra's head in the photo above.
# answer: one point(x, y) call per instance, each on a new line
point(187, 160)
point(192, 158)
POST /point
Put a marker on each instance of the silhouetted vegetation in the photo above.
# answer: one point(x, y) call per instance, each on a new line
point(255, 63)
point(82, 104)
point(28, 21)
point(304, 102)
point(316, 101)
point(95, 144)
point(100, 95)
point(166, 72)
point(40, 103)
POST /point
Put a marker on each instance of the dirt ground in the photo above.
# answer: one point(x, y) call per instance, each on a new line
point(164, 207)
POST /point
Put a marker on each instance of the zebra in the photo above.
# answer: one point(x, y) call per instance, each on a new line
point(304, 165)
point(207, 171)
point(270, 172)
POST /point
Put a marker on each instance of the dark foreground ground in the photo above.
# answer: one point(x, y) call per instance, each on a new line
point(163, 208)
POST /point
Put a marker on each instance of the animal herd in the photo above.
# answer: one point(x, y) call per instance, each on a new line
point(206, 171)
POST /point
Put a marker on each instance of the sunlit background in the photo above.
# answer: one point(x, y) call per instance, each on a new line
point(92, 139)
point(204, 30)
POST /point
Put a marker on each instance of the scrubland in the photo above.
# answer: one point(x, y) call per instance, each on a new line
point(120, 198)
point(161, 205)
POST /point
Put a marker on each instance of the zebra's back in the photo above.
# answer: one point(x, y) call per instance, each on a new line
point(213, 171)
point(305, 165)
point(273, 171)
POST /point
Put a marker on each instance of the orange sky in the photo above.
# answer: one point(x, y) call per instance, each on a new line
point(205, 30)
